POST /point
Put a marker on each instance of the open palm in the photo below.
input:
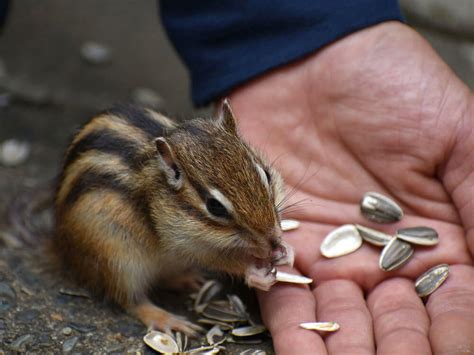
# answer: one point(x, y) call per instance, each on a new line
point(375, 111)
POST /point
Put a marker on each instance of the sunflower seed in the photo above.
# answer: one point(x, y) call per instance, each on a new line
point(292, 278)
point(373, 236)
point(248, 331)
point(379, 208)
point(321, 326)
point(161, 342)
point(427, 283)
point(223, 325)
point(341, 241)
point(222, 314)
point(289, 224)
point(395, 254)
point(418, 235)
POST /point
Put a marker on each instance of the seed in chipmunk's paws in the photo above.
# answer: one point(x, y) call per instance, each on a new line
point(418, 235)
point(161, 342)
point(321, 326)
point(289, 224)
point(373, 236)
point(379, 208)
point(341, 241)
point(395, 254)
point(429, 281)
point(292, 278)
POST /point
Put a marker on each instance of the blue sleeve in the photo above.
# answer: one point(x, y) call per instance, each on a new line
point(227, 42)
point(3, 11)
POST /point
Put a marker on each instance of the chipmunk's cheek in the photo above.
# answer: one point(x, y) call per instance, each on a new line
point(261, 277)
point(283, 254)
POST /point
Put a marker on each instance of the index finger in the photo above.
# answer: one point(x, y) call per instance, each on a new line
point(283, 308)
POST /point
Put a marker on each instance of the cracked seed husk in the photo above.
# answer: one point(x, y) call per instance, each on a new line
point(341, 241)
point(418, 235)
point(292, 278)
point(289, 224)
point(395, 254)
point(321, 326)
point(429, 281)
point(373, 236)
point(379, 208)
point(161, 342)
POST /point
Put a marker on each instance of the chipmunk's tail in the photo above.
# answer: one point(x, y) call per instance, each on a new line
point(32, 215)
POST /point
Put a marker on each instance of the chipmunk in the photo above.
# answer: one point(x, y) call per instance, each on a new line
point(144, 200)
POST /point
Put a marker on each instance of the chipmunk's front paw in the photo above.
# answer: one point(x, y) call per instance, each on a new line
point(158, 319)
point(262, 278)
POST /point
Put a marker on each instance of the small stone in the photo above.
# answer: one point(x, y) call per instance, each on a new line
point(69, 344)
point(82, 328)
point(27, 315)
point(66, 331)
point(147, 97)
point(128, 330)
point(7, 297)
point(20, 343)
point(5, 99)
point(6, 291)
point(56, 317)
point(95, 53)
point(44, 339)
point(14, 152)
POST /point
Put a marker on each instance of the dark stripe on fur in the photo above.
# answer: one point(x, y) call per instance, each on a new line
point(138, 117)
point(90, 180)
point(107, 142)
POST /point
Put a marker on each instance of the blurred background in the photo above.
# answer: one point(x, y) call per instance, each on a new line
point(62, 61)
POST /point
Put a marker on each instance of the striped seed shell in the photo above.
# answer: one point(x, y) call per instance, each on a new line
point(395, 254)
point(321, 326)
point(289, 224)
point(341, 241)
point(379, 208)
point(418, 235)
point(429, 281)
point(292, 278)
point(223, 314)
point(161, 342)
point(373, 236)
point(248, 331)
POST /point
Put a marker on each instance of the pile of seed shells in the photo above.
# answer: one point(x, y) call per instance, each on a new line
point(227, 318)
point(397, 248)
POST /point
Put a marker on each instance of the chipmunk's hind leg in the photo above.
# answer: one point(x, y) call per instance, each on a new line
point(157, 318)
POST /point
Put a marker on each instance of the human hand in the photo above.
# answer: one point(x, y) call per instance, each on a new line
point(375, 111)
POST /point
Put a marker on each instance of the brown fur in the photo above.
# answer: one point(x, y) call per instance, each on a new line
point(122, 228)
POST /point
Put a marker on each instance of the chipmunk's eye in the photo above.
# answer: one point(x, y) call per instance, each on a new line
point(216, 208)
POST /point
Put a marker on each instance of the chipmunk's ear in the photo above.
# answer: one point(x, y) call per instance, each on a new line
point(168, 163)
point(226, 116)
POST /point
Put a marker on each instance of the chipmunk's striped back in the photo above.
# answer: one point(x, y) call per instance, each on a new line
point(105, 158)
